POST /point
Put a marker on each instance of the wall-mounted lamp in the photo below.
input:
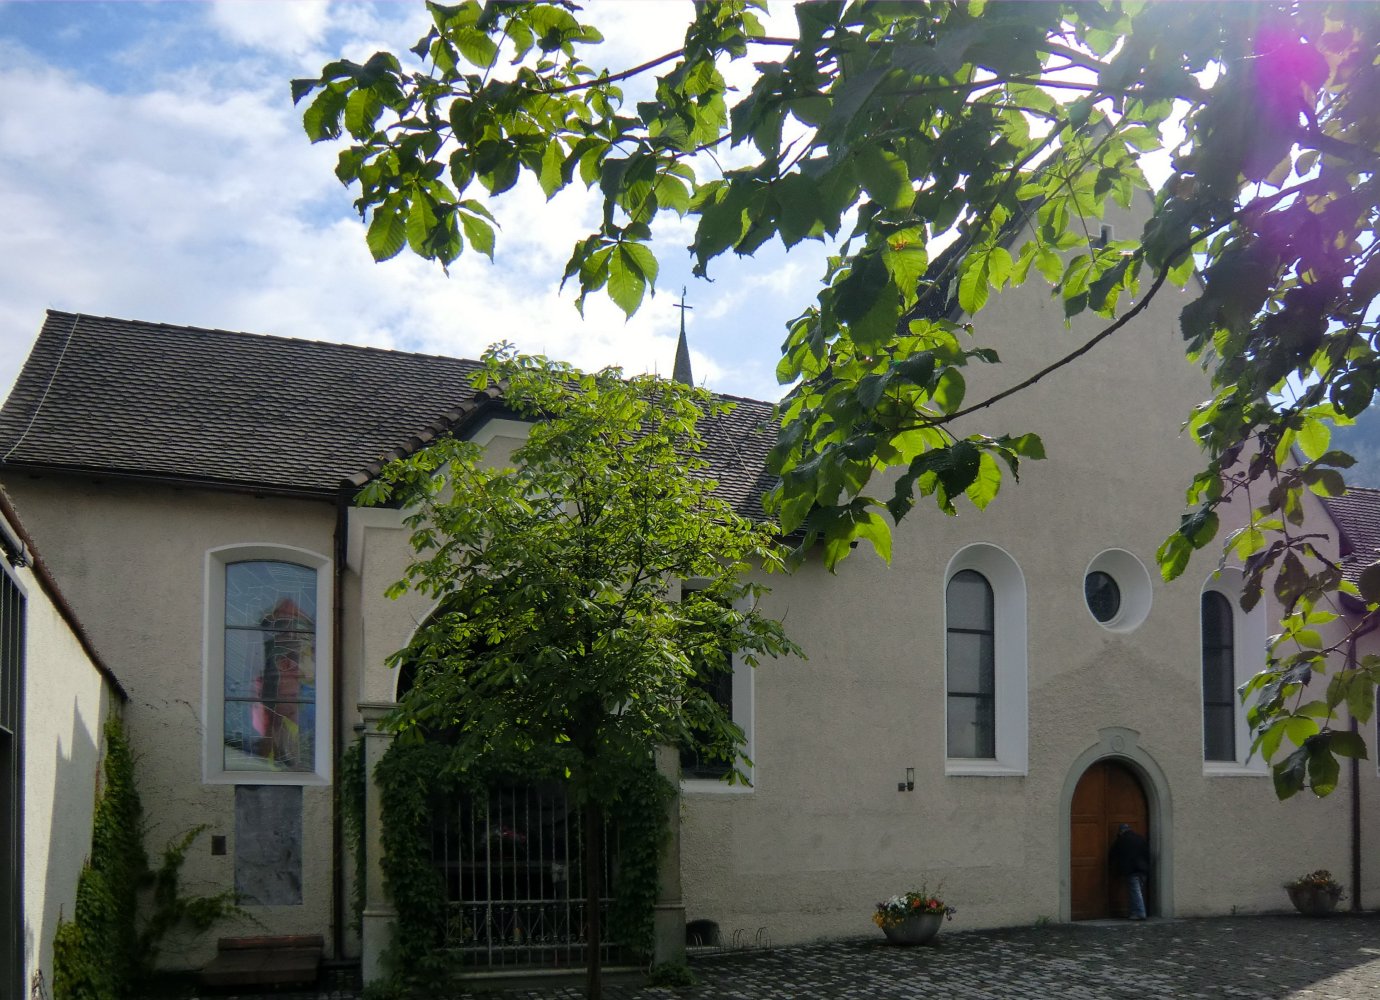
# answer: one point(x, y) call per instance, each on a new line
point(909, 784)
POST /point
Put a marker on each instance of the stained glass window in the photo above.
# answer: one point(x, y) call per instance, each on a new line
point(270, 667)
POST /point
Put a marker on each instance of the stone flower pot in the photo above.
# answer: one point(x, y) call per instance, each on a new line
point(1314, 900)
point(918, 929)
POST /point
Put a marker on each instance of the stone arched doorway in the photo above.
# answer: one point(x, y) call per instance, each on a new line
point(1108, 794)
point(1117, 757)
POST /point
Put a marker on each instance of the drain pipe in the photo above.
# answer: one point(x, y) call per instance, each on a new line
point(342, 513)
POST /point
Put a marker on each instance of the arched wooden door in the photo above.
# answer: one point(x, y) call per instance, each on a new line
point(1108, 794)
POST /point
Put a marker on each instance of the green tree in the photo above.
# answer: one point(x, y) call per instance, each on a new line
point(1001, 131)
point(557, 631)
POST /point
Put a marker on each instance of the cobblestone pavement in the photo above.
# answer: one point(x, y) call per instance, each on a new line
point(1268, 958)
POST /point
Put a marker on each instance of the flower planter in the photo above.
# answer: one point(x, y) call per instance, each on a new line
point(1314, 900)
point(918, 929)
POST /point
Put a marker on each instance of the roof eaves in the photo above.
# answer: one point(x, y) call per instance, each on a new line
point(450, 422)
point(175, 480)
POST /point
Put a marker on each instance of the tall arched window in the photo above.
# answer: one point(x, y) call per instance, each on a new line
point(972, 666)
point(985, 663)
point(268, 612)
point(1219, 678)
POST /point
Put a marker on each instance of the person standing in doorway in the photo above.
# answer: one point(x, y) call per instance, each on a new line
point(1130, 859)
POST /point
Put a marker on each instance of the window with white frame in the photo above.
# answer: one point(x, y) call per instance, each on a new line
point(267, 656)
point(731, 690)
point(1232, 650)
point(985, 663)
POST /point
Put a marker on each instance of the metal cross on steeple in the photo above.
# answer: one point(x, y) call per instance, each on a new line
point(681, 372)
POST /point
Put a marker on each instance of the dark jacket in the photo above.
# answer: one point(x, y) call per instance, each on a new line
point(1130, 854)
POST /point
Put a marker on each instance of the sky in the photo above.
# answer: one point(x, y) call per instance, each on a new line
point(153, 167)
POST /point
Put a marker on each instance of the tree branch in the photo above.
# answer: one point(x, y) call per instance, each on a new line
point(651, 64)
point(1061, 362)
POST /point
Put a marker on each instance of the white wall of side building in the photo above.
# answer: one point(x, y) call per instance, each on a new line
point(153, 543)
point(66, 701)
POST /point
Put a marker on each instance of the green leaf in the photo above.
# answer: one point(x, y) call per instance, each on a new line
point(301, 88)
point(949, 390)
point(1027, 446)
point(884, 176)
point(999, 266)
point(906, 260)
point(387, 231)
point(1323, 768)
point(873, 528)
point(972, 284)
point(1289, 774)
point(1314, 437)
point(551, 177)
point(631, 267)
point(421, 218)
point(475, 46)
point(1348, 744)
point(479, 233)
point(983, 489)
point(321, 120)
point(672, 193)
point(1369, 583)
point(362, 109)
point(1360, 698)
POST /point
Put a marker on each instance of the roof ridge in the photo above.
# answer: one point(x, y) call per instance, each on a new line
point(250, 335)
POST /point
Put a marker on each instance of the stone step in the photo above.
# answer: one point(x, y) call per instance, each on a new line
point(265, 962)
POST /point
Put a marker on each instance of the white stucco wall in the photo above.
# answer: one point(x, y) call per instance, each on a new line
point(825, 833)
point(65, 703)
point(132, 561)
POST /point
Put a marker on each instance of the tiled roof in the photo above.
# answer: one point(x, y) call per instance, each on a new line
point(129, 398)
point(1357, 514)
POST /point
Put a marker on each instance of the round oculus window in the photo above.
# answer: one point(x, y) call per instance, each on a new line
point(1103, 595)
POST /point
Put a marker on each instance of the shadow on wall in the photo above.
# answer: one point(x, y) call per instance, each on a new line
point(73, 797)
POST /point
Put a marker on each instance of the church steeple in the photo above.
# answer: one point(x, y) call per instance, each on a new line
point(681, 372)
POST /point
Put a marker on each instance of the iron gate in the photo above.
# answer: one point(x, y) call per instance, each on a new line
point(513, 865)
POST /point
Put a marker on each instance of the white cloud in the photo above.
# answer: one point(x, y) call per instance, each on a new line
point(283, 28)
point(187, 193)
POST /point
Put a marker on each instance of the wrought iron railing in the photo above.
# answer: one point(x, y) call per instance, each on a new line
point(512, 860)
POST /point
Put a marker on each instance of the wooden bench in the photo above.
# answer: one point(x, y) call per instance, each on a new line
point(289, 960)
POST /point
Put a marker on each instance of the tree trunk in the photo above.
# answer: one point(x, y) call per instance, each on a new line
point(594, 888)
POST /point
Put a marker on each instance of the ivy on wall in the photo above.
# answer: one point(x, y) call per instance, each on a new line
point(350, 792)
point(95, 955)
point(105, 952)
point(417, 779)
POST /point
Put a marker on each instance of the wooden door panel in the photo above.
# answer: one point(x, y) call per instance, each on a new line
point(1107, 795)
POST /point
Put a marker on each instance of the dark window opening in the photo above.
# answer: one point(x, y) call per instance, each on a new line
point(972, 666)
point(1103, 595)
point(1219, 679)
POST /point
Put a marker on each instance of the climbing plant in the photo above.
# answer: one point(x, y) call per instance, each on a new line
point(419, 779)
point(106, 951)
point(96, 954)
point(350, 791)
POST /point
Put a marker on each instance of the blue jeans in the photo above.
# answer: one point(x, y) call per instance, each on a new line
point(1135, 889)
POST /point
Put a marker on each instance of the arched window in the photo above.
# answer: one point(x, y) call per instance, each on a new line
point(1219, 679)
point(1232, 649)
point(972, 666)
point(985, 663)
point(267, 665)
